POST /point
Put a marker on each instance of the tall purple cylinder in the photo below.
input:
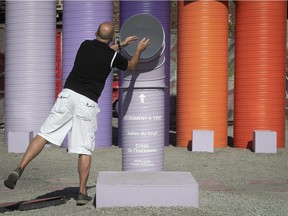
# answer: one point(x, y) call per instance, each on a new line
point(142, 129)
point(160, 10)
point(142, 98)
point(30, 64)
point(80, 22)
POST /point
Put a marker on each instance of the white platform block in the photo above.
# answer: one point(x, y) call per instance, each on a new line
point(264, 141)
point(18, 141)
point(130, 189)
point(202, 141)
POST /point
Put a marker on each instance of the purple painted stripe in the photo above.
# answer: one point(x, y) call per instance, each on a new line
point(142, 130)
point(29, 24)
point(80, 22)
point(160, 10)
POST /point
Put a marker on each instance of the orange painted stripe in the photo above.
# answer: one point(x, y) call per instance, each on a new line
point(202, 70)
point(260, 67)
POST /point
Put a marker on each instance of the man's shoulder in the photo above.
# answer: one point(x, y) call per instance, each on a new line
point(96, 43)
point(87, 42)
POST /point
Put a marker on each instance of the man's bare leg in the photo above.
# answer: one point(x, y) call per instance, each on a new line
point(34, 148)
point(84, 164)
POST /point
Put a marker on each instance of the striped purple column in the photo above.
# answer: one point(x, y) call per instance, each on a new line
point(160, 10)
point(142, 98)
point(142, 129)
point(29, 65)
point(80, 22)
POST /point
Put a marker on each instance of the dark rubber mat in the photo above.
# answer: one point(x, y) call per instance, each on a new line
point(32, 204)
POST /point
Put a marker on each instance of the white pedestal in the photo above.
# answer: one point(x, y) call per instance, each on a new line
point(18, 141)
point(264, 141)
point(203, 141)
point(128, 189)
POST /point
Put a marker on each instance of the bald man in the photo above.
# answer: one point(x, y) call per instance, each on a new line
point(76, 107)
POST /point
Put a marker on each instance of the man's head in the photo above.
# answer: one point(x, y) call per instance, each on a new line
point(105, 31)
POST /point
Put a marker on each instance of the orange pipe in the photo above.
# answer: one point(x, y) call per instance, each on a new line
point(260, 67)
point(202, 67)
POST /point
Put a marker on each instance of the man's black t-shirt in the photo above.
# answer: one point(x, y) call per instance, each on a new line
point(93, 63)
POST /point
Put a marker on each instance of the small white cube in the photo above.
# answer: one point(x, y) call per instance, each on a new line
point(203, 140)
point(18, 141)
point(264, 141)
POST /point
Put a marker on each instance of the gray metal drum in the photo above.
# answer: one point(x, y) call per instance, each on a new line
point(144, 25)
point(142, 129)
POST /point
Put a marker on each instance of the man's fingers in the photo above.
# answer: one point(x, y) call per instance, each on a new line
point(131, 39)
point(146, 41)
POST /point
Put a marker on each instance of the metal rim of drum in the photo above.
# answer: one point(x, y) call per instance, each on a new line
point(144, 25)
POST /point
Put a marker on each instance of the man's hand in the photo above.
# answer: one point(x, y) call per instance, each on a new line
point(143, 44)
point(128, 40)
point(124, 43)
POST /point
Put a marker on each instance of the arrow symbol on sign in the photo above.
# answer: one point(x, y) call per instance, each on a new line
point(142, 97)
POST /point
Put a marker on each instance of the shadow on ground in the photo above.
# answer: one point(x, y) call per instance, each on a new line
point(54, 198)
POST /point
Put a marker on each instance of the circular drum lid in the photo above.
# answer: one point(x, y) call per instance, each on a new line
point(143, 25)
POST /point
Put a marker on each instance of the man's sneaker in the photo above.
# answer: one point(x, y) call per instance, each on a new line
point(83, 199)
point(12, 179)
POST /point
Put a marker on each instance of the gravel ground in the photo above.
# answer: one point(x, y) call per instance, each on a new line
point(232, 181)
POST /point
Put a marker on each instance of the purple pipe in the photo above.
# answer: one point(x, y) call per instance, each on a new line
point(160, 10)
point(29, 66)
point(143, 128)
point(80, 22)
point(142, 98)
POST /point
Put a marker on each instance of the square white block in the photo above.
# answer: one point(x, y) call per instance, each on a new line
point(130, 189)
point(203, 140)
point(18, 141)
point(264, 141)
